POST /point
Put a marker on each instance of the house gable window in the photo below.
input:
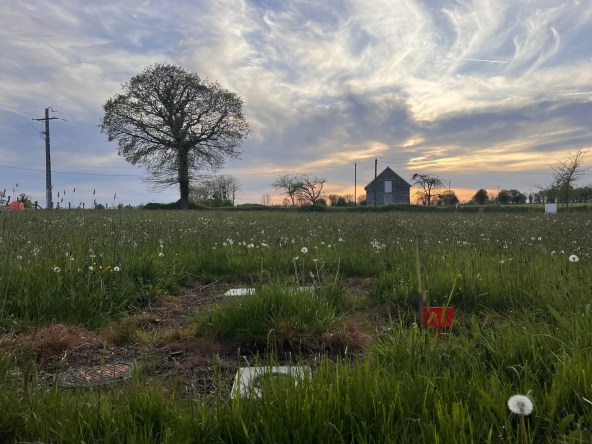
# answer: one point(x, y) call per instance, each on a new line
point(388, 186)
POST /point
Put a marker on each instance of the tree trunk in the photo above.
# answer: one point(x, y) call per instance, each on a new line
point(183, 178)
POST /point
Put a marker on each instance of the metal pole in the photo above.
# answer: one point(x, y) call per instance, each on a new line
point(355, 184)
point(47, 162)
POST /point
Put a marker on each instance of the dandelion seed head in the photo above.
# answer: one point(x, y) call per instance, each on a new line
point(521, 405)
point(161, 254)
point(56, 269)
point(304, 250)
point(573, 258)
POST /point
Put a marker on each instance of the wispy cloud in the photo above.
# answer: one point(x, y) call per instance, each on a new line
point(463, 83)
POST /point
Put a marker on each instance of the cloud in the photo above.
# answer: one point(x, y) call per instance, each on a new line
point(488, 83)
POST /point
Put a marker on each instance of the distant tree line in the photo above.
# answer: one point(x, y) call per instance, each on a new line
point(215, 191)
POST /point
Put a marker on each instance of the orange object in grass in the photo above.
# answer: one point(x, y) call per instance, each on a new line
point(432, 317)
point(15, 205)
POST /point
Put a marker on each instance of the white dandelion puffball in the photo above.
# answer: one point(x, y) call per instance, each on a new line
point(56, 269)
point(573, 258)
point(160, 254)
point(115, 269)
point(304, 250)
point(521, 405)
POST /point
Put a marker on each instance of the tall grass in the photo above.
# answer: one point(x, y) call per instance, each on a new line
point(409, 387)
point(523, 325)
point(289, 318)
point(60, 266)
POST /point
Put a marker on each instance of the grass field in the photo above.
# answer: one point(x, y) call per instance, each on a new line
point(147, 286)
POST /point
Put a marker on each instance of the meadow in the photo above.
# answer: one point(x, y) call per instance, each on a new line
point(521, 285)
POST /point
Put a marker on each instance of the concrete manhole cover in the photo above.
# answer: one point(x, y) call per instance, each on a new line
point(95, 375)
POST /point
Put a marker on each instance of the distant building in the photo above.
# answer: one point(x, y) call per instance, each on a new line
point(389, 188)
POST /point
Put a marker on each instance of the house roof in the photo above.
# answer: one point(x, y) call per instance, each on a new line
point(384, 171)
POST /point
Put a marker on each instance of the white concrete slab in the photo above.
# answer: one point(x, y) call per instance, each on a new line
point(251, 291)
point(301, 289)
point(240, 292)
point(246, 379)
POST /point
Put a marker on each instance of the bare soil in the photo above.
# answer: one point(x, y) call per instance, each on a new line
point(160, 339)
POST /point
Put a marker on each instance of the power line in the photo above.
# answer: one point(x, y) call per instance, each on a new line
point(229, 168)
point(78, 127)
point(138, 175)
point(16, 114)
point(67, 166)
point(74, 173)
point(20, 101)
point(478, 170)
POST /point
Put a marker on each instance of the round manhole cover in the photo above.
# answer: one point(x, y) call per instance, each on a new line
point(95, 375)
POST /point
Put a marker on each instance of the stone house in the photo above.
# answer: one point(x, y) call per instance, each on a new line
point(389, 188)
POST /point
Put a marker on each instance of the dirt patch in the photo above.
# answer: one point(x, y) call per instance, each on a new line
point(160, 339)
point(58, 340)
point(176, 311)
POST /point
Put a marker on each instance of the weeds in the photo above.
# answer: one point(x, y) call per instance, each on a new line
point(523, 324)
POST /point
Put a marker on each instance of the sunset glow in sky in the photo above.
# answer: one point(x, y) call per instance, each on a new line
point(483, 93)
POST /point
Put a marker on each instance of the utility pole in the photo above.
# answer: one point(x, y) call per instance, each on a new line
point(375, 183)
point(449, 193)
point(48, 196)
point(355, 183)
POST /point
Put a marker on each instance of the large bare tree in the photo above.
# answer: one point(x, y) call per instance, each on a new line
point(428, 185)
point(567, 172)
point(175, 124)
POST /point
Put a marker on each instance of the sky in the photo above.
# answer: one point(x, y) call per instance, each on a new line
point(484, 93)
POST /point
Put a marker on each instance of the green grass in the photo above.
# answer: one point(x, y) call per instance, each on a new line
point(523, 323)
point(410, 387)
point(286, 318)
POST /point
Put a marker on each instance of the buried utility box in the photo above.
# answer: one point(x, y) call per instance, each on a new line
point(251, 291)
point(248, 380)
